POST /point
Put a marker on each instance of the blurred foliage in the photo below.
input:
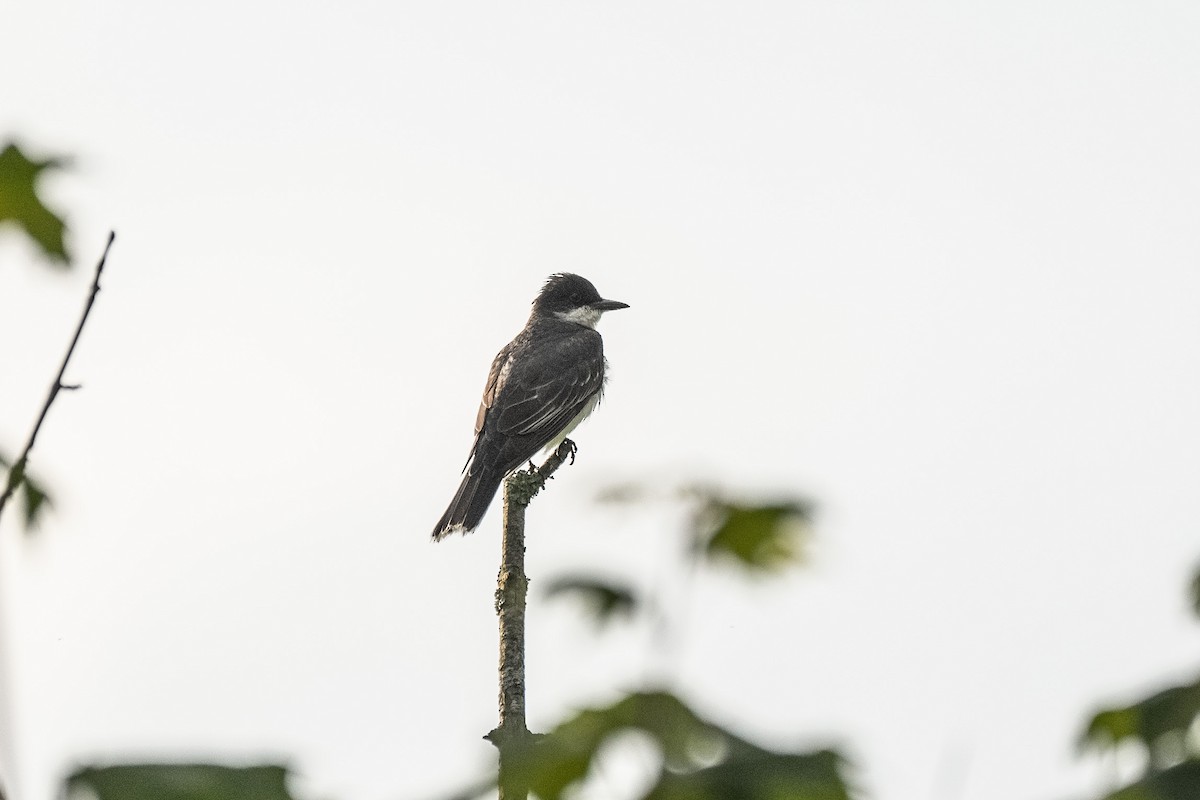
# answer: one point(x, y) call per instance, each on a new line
point(762, 539)
point(1162, 725)
point(21, 205)
point(1195, 593)
point(1154, 721)
point(759, 538)
point(179, 782)
point(34, 498)
point(700, 759)
point(603, 600)
point(1181, 782)
point(697, 758)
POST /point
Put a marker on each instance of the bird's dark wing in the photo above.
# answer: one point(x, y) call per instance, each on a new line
point(542, 394)
point(494, 381)
point(493, 386)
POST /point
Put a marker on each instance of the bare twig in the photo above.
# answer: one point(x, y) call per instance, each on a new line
point(512, 737)
point(16, 473)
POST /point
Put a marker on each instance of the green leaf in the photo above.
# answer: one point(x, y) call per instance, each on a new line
point(34, 496)
point(701, 759)
point(1110, 727)
point(1173, 710)
point(552, 765)
point(20, 204)
point(1181, 782)
point(806, 776)
point(1135, 792)
point(182, 782)
point(36, 502)
point(604, 600)
point(1155, 721)
point(760, 538)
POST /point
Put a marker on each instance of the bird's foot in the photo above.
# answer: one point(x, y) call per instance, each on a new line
point(574, 448)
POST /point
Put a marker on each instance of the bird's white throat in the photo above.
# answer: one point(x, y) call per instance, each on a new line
point(584, 315)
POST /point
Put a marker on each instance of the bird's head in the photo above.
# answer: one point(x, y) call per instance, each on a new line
point(573, 298)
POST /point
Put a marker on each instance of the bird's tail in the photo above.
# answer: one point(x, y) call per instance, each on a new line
point(470, 502)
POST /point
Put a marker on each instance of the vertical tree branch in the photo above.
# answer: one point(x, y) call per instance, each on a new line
point(512, 737)
point(16, 473)
point(512, 587)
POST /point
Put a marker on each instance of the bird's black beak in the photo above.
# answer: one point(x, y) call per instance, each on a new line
point(609, 305)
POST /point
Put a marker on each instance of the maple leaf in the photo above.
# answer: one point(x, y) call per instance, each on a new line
point(20, 204)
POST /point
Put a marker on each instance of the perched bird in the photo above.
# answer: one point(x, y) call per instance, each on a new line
point(541, 385)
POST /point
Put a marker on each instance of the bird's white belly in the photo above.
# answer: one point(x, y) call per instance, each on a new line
point(573, 424)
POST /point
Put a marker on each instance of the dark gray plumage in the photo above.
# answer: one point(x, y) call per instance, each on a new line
point(541, 385)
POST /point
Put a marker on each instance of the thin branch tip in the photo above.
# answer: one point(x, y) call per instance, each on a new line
point(16, 473)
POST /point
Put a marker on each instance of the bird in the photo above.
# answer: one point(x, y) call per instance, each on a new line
point(541, 385)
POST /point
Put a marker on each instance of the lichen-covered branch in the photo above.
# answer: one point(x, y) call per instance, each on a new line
point(511, 736)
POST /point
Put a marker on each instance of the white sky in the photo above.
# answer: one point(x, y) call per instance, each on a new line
point(936, 265)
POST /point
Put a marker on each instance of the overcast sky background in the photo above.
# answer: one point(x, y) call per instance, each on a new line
point(934, 265)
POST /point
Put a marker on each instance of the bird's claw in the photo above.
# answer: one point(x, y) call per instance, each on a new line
point(574, 448)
